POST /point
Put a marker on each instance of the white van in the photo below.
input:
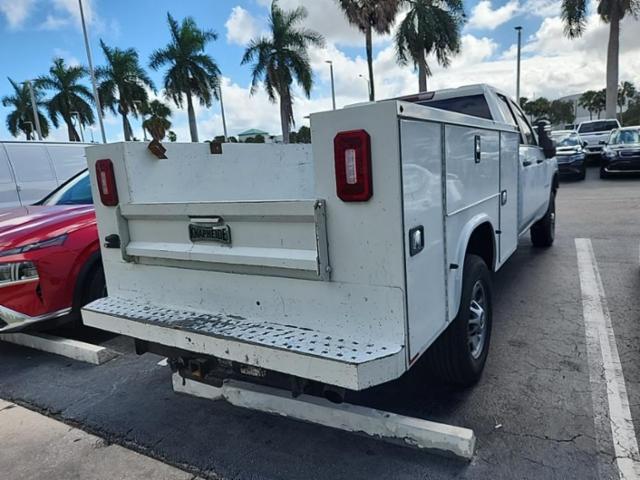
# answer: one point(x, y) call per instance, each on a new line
point(31, 170)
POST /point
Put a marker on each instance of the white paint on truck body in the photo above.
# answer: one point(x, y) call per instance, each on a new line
point(335, 298)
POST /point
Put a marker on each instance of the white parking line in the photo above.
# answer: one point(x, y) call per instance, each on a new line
point(604, 364)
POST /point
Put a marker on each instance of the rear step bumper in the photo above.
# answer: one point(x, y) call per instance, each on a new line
point(316, 355)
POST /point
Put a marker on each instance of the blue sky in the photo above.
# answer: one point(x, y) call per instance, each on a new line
point(33, 32)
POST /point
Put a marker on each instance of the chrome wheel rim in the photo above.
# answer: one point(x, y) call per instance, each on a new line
point(477, 327)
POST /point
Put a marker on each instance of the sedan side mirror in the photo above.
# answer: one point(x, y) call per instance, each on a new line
point(584, 144)
point(546, 142)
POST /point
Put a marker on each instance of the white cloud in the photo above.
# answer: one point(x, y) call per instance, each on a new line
point(241, 26)
point(326, 17)
point(484, 16)
point(16, 11)
point(53, 22)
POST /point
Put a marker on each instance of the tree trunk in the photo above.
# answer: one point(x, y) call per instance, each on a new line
point(193, 128)
point(73, 135)
point(422, 74)
point(372, 95)
point(126, 128)
point(613, 51)
point(284, 117)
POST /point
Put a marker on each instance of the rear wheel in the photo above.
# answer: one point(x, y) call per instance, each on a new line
point(543, 232)
point(459, 354)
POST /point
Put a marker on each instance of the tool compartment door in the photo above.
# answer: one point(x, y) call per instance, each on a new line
point(421, 152)
point(508, 194)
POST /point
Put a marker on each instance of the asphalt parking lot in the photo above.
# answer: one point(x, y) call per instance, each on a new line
point(540, 410)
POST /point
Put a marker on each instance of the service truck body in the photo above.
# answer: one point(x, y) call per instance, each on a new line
point(257, 256)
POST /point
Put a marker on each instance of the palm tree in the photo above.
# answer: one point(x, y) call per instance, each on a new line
point(586, 101)
point(122, 84)
point(21, 119)
point(626, 92)
point(281, 58)
point(429, 26)
point(70, 98)
point(157, 123)
point(574, 14)
point(191, 72)
point(369, 16)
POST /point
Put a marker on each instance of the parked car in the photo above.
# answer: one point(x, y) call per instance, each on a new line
point(570, 154)
point(621, 154)
point(595, 133)
point(30, 170)
point(49, 258)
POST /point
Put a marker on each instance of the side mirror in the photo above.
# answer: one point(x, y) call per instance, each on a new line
point(602, 142)
point(546, 142)
point(584, 144)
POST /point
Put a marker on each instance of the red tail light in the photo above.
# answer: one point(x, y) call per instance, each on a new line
point(106, 183)
point(352, 151)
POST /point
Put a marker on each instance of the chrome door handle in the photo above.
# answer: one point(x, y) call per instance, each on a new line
point(539, 161)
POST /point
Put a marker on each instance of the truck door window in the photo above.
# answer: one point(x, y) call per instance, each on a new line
point(523, 124)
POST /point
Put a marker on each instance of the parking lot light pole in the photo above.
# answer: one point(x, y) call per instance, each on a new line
point(368, 84)
point(519, 30)
point(92, 73)
point(77, 115)
point(333, 87)
point(35, 108)
point(224, 120)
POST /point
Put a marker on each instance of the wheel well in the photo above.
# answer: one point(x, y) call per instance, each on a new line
point(482, 243)
point(84, 275)
point(556, 183)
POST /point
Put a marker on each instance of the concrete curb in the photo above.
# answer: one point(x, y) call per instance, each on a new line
point(81, 351)
point(416, 432)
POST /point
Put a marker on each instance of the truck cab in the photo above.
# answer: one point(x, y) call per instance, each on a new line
point(336, 265)
point(595, 133)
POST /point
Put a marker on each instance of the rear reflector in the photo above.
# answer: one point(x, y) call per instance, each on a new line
point(106, 183)
point(352, 152)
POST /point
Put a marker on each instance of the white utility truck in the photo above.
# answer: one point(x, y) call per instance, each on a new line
point(330, 266)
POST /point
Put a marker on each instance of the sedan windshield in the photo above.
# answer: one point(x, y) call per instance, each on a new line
point(76, 191)
point(566, 139)
point(625, 137)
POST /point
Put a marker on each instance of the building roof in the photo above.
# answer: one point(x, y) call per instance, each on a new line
point(253, 131)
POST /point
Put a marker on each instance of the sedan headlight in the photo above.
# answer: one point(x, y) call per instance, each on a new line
point(50, 242)
point(17, 272)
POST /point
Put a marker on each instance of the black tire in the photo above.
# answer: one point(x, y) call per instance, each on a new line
point(583, 173)
point(452, 358)
point(543, 232)
point(95, 286)
point(603, 173)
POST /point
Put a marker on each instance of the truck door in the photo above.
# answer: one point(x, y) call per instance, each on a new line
point(8, 190)
point(532, 171)
point(423, 231)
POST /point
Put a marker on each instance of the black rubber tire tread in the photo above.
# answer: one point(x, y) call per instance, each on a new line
point(95, 286)
point(449, 358)
point(583, 173)
point(542, 232)
point(603, 173)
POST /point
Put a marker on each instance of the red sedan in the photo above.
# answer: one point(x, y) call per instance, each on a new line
point(49, 258)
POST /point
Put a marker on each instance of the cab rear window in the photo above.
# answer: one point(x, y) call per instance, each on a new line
point(592, 127)
point(474, 105)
